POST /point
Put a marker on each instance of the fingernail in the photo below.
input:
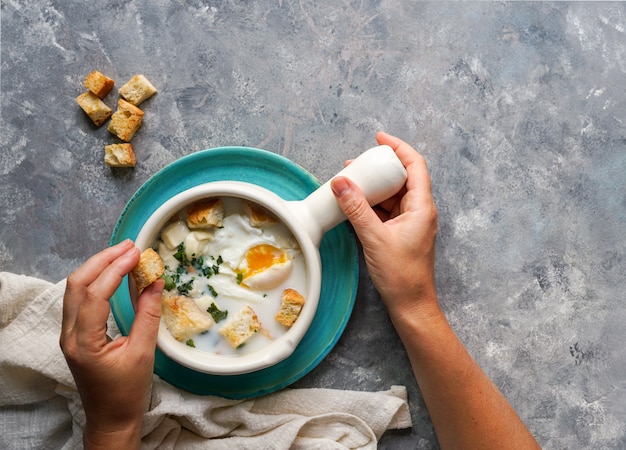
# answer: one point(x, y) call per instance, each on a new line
point(131, 252)
point(124, 243)
point(340, 186)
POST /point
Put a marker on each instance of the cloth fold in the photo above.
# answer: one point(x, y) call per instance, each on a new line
point(33, 371)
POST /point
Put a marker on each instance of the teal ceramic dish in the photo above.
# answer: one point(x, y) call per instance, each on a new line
point(338, 255)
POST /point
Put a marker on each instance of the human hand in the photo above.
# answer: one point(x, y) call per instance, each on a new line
point(398, 239)
point(113, 377)
point(398, 236)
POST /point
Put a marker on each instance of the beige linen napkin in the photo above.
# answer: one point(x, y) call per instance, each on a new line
point(33, 372)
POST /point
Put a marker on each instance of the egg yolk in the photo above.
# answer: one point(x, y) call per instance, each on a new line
point(261, 257)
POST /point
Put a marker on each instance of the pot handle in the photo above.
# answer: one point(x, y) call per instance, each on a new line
point(377, 171)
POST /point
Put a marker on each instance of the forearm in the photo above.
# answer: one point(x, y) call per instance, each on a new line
point(466, 408)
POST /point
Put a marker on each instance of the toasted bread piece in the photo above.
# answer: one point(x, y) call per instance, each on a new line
point(95, 108)
point(259, 216)
point(240, 327)
point(183, 317)
point(149, 268)
point(120, 155)
point(292, 303)
point(206, 214)
point(137, 90)
point(126, 120)
point(98, 83)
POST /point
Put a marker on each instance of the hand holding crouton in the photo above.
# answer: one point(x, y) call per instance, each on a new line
point(113, 377)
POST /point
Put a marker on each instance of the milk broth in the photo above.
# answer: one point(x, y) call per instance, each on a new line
point(223, 250)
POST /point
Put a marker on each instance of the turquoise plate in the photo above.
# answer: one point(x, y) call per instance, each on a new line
point(338, 253)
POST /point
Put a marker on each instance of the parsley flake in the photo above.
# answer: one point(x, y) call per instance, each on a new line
point(217, 314)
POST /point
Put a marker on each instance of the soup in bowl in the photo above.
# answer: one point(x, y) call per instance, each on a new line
point(242, 266)
point(241, 285)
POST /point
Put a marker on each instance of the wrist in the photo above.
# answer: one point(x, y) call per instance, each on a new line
point(128, 437)
point(418, 319)
point(416, 306)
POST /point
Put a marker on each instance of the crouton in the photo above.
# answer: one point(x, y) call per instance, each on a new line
point(292, 303)
point(259, 216)
point(120, 155)
point(126, 120)
point(240, 327)
point(183, 317)
point(148, 270)
point(95, 108)
point(137, 90)
point(206, 214)
point(98, 83)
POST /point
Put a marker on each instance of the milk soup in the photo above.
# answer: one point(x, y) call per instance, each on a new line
point(228, 254)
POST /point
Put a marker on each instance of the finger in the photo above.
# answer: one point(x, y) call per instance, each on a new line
point(388, 211)
point(94, 309)
point(418, 178)
point(143, 333)
point(92, 268)
point(80, 279)
point(407, 154)
point(392, 202)
point(354, 205)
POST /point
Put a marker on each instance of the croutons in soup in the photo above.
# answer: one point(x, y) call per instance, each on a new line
point(241, 268)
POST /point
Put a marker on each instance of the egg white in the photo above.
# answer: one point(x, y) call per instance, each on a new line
point(235, 238)
point(271, 277)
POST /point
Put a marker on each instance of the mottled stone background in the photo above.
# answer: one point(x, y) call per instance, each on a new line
point(519, 109)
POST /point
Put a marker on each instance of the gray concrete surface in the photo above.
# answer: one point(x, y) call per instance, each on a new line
point(519, 109)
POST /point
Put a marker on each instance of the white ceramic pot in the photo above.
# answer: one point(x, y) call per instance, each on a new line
point(378, 172)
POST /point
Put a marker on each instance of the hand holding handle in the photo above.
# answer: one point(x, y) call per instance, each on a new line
point(378, 172)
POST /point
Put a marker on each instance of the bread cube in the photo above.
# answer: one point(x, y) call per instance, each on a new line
point(183, 317)
point(126, 120)
point(290, 307)
point(259, 216)
point(137, 90)
point(149, 268)
point(95, 108)
point(98, 83)
point(240, 327)
point(120, 155)
point(206, 214)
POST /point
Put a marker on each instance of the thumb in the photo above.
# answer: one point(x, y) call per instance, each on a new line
point(148, 315)
point(354, 205)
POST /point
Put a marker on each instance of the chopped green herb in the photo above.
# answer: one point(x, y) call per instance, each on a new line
point(184, 288)
point(181, 255)
point(239, 278)
point(217, 314)
point(212, 290)
point(173, 277)
point(176, 277)
point(200, 265)
point(190, 343)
